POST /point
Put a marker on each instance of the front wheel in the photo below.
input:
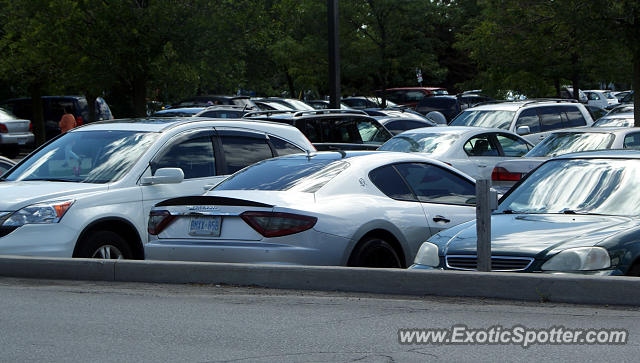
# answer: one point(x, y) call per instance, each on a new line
point(105, 245)
point(375, 252)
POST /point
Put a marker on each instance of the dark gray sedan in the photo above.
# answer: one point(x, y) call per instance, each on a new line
point(576, 213)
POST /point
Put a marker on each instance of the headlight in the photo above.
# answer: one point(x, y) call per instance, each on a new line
point(40, 213)
point(427, 255)
point(579, 259)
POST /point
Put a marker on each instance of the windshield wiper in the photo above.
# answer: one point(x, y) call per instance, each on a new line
point(511, 211)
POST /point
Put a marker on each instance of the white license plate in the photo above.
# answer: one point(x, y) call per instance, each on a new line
point(205, 226)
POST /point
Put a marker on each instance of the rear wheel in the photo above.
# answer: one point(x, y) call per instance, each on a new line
point(105, 245)
point(375, 252)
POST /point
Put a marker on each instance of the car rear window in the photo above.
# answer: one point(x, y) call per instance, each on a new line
point(431, 143)
point(568, 142)
point(286, 173)
point(484, 118)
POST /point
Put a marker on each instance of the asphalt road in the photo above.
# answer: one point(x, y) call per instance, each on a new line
point(108, 322)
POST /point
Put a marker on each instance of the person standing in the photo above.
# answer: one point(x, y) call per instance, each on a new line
point(67, 122)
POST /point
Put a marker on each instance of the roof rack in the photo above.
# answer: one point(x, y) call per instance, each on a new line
point(267, 113)
point(329, 111)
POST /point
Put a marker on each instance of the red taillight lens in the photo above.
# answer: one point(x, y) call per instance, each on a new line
point(79, 121)
point(3, 129)
point(274, 224)
point(501, 174)
point(30, 126)
point(158, 221)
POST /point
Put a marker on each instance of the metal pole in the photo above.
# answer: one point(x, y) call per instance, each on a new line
point(483, 224)
point(334, 55)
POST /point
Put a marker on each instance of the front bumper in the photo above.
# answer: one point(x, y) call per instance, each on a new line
point(48, 240)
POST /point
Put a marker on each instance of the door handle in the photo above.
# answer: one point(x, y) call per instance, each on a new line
point(442, 219)
point(482, 166)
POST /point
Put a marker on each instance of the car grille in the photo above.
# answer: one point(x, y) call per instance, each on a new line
point(498, 263)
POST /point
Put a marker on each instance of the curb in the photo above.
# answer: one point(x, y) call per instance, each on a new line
point(578, 289)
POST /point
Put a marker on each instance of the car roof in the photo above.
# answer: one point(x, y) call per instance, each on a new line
point(515, 105)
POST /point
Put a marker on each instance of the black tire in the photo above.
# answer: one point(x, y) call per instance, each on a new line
point(104, 245)
point(375, 252)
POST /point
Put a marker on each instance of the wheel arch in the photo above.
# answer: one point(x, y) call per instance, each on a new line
point(383, 233)
point(117, 225)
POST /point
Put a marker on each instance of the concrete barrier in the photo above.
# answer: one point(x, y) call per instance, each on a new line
point(514, 286)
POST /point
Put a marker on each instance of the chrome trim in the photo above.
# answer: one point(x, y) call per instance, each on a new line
point(475, 257)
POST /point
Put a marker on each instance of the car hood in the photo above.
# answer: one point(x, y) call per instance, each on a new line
point(535, 234)
point(19, 194)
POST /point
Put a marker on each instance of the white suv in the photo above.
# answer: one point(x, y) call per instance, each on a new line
point(88, 193)
point(532, 119)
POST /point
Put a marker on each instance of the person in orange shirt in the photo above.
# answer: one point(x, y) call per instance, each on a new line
point(67, 122)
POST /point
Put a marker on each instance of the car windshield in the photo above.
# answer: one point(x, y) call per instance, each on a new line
point(570, 142)
point(85, 157)
point(432, 143)
point(6, 115)
point(621, 109)
point(285, 173)
point(580, 186)
point(613, 122)
point(484, 118)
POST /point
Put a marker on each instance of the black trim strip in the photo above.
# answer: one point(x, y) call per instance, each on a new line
point(210, 200)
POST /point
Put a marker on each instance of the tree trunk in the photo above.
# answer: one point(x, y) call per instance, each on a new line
point(292, 91)
point(140, 96)
point(636, 82)
point(91, 103)
point(37, 111)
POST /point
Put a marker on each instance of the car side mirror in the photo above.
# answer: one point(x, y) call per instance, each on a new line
point(523, 130)
point(164, 176)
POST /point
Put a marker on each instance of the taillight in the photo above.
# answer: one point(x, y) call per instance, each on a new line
point(275, 224)
point(79, 121)
point(159, 220)
point(30, 126)
point(501, 174)
point(3, 129)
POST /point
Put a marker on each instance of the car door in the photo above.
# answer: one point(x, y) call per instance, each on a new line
point(447, 198)
point(529, 118)
point(194, 153)
point(480, 154)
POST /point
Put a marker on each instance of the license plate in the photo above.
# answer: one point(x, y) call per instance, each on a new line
point(22, 140)
point(205, 226)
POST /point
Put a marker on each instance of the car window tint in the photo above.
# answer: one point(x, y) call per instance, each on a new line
point(480, 146)
point(632, 141)
point(550, 118)
point(389, 182)
point(194, 156)
point(529, 117)
point(574, 117)
point(399, 126)
point(242, 151)
point(512, 146)
point(284, 148)
point(371, 132)
point(340, 131)
point(309, 129)
point(433, 184)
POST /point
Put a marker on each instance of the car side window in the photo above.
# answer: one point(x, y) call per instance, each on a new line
point(550, 118)
point(632, 141)
point(573, 116)
point(283, 147)
point(340, 131)
point(387, 179)
point(371, 132)
point(512, 146)
point(433, 184)
point(480, 145)
point(194, 156)
point(242, 151)
point(399, 126)
point(529, 117)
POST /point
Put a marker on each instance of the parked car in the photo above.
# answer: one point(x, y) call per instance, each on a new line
point(576, 213)
point(621, 94)
point(399, 111)
point(472, 150)
point(621, 108)
point(5, 164)
point(567, 93)
point(291, 103)
point(600, 98)
point(450, 106)
point(532, 119)
point(364, 102)
point(628, 98)
point(212, 100)
point(615, 120)
point(53, 107)
point(14, 134)
point(177, 112)
point(507, 173)
point(271, 106)
point(92, 188)
point(397, 125)
point(226, 111)
point(332, 129)
point(324, 104)
point(596, 112)
point(410, 96)
point(329, 208)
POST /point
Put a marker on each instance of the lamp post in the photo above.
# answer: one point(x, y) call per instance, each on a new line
point(334, 55)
